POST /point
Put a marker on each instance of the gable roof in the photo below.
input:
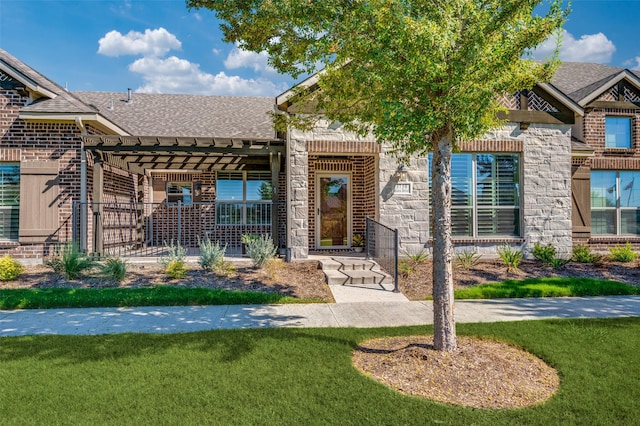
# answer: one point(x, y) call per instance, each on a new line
point(582, 81)
point(236, 117)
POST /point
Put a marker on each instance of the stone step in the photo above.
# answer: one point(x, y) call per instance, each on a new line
point(357, 277)
point(349, 264)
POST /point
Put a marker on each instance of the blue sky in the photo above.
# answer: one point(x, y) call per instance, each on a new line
point(159, 46)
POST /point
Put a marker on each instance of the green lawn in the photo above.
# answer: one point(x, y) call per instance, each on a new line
point(298, 376)
point(116, 297)
point(547, 287)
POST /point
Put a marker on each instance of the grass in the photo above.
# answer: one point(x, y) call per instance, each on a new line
point(148, 296)
point(547, 287)
point(298, 376)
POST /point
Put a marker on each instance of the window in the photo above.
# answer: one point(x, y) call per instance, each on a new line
point(485, 194)
point(243, 198)
point(9, 201)
point(615, 202)
point(617, 132)
point(179, 191)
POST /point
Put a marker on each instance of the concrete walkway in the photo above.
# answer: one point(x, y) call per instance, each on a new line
point(360, 314)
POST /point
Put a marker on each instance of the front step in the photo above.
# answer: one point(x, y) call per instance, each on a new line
point(354, 271)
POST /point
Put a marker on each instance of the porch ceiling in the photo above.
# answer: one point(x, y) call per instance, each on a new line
point(138, 154)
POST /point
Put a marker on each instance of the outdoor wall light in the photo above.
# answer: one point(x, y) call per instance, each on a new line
point(402, 172)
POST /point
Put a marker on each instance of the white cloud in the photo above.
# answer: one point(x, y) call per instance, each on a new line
point(216, 51)
point(239, 58)
point(152, 43)
point(635, 63)
point(588, 48)
point(175, 75)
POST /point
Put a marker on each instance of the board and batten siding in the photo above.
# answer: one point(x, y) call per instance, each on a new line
point(581, 202)
point(39, 191)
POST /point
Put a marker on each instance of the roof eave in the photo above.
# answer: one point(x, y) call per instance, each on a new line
point(86, 117)
point(564, 99)
point(28, 82)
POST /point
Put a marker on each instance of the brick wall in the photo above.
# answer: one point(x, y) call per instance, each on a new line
point(611, 159)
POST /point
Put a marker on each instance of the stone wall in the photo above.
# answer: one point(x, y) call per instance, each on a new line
point(409, 213)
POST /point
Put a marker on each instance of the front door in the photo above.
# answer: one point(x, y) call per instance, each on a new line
point(333, 201)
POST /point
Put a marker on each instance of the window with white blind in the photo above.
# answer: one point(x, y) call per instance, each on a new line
point(9, 201)
point(615, 202)
point(243, 198)
point(485, 195)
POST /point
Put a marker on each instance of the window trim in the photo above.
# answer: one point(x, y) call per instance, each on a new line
point(475, 207)
point(13, 208)
point(169, 195)
point(618, 208)
point(629, 119)
point(244, 202)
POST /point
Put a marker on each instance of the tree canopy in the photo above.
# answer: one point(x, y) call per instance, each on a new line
point(402, 69)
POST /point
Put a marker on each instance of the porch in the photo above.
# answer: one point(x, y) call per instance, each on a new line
point(150, 192)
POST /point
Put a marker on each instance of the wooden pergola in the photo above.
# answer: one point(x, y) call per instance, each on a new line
point(140, 155)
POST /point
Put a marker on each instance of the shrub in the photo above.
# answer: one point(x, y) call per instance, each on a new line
point(260, 250)
point(10, 269)
point(623, 253)
point(71, 262)
point(174, 253)
point(273, 267)
point(582, 253)
point(467, 259)
point(511, 257)
point(545, 254)
point(175, 269)
point(211, 254)
point(114, 269)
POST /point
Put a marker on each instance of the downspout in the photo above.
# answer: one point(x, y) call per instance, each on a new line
point(83, 186)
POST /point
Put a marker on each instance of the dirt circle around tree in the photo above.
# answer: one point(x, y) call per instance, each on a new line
point(481, 373)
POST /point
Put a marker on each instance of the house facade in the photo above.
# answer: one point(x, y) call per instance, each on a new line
point(128, 173)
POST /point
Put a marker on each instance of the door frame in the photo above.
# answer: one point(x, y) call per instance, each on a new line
point(349, 176)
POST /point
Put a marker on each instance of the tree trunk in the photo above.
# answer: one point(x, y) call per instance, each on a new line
point(444, 338)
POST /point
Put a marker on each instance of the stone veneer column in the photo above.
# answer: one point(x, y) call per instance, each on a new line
point(408, 213)
point(546, 181)
point(298, 198)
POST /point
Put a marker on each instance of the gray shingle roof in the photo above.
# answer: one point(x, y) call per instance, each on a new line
point(186, 115)
point(578, 79)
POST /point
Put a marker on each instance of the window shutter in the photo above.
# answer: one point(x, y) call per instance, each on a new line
point(159, 190)
point(581, 201)
point(39, 218)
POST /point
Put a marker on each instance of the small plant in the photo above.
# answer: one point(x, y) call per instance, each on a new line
point(511, 257)
point(272, 267)
point(224, 268)
point(10, 269)
point(558, 262)
point(357, 240)
point(211, 254)
point(467, 259)
point(71, 262)
point(582, 253)
point(175, 269)
point(545, 254)
point(261, 249)
point(114, 269)
point(174, 252)
point(623, 253)
point(405, 268)
point(418, 257)
point(248, 238)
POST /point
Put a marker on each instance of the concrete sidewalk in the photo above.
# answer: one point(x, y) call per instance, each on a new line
point(179, 319)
